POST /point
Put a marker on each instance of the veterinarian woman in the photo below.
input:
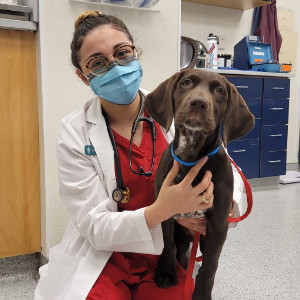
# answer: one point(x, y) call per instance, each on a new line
point(110, 248)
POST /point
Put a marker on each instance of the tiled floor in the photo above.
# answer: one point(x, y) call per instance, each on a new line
point(261, 257)
point(17, 277)
point(260, 260)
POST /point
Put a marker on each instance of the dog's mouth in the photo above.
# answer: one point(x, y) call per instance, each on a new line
point(193, 125)
point(194, 122)
point(190, 126)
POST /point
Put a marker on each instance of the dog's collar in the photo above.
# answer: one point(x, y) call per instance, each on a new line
point(190, 164)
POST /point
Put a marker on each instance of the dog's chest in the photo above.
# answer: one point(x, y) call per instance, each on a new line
point(200, 214)
point(196, 214)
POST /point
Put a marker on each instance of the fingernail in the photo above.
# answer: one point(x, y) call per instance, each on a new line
point(204, 159)
point(208, 175)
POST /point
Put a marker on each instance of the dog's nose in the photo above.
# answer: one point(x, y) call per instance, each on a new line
point(198, 102)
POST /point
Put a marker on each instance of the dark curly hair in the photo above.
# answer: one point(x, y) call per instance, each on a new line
point(85, 23)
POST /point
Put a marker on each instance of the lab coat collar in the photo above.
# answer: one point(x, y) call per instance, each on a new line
point(94, 113)
point(99, 138)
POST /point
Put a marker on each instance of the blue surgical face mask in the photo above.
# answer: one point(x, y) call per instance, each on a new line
point(120, 84)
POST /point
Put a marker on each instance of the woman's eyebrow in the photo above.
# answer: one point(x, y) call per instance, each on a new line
point(99, 53)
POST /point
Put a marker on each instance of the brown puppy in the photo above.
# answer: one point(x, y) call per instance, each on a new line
point(199, 101)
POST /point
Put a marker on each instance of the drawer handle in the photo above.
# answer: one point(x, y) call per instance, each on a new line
point(275, 135)
point(277, 88)
point(276, 108)
point(274, 161)
point(242, 86)
point(238, 151)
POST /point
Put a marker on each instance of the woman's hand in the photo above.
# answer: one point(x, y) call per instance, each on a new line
point(182, 197)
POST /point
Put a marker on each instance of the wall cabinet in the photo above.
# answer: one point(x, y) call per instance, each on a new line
point(262, 152)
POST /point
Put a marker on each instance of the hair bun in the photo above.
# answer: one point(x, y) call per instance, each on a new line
point(83, 16)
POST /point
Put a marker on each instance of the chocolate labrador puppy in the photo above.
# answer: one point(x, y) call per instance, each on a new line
point(199, 101)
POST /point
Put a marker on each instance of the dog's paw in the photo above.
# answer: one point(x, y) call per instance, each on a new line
point(164, 279)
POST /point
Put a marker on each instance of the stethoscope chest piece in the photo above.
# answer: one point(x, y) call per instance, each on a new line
point(121, 195)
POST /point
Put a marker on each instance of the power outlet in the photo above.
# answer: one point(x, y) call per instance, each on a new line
point(221, 45)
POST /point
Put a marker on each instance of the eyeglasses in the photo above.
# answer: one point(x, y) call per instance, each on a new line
point(99, 65)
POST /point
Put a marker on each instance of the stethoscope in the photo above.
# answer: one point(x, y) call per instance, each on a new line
point(122, 193)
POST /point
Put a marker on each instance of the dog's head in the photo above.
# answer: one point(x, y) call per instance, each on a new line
point(199, 100)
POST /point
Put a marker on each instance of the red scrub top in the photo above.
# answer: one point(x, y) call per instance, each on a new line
point(141, 187)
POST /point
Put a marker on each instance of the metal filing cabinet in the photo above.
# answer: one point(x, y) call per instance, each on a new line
point(262, 152)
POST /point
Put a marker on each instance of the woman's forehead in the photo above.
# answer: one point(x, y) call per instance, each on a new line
point(103, 39)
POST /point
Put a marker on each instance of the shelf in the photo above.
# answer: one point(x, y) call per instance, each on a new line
point(154, 9)
point(17, 8)
point(16, 17)
point(235, 4)
point(17, 25)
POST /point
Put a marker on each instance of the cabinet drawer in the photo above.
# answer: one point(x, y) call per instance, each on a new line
point(275, 112)
point(276, 88)
point(255, 106)
point(246, 155)
point(254, 133)
point(274, 138)
point(273, 163)
point(248, 87)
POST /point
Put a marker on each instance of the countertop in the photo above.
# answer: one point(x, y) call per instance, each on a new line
point(250, 73)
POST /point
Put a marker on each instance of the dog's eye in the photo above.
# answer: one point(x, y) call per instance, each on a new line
point(187, 82)
point(220, 90)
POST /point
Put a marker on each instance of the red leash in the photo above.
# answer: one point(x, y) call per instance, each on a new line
point(188, 288)
point(248, 194)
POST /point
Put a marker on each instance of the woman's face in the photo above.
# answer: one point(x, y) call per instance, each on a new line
point(103, 40)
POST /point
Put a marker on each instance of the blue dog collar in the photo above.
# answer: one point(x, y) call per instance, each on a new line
point(190, 164)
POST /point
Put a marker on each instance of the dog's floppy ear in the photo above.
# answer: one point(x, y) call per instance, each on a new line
point(238, 119)
point(160, 102)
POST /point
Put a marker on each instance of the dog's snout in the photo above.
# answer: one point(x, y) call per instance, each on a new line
point(198, 102)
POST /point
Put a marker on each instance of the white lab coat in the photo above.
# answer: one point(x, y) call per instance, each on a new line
point(96, 228)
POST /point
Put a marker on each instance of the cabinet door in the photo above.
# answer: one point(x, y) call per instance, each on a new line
point(254, 106)
point(249, 88)
point(273, 163)
point(275, 111)
point(19, 150)
point(246, 155)
point(274, 138)
point(276, 88)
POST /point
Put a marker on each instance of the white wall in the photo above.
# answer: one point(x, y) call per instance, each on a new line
point(294, 125)
point(59, 90)
point(200, 20)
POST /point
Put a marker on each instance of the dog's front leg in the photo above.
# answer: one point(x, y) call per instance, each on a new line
point(165, 274)
point(213, 244)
